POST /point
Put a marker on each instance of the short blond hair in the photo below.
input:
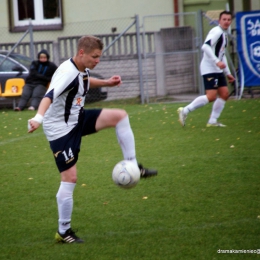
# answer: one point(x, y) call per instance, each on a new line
point(89, 43)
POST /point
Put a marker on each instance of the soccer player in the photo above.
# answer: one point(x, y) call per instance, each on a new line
point(65, 121)
point(214, 69)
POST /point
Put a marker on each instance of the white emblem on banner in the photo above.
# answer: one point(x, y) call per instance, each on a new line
point(250, 29)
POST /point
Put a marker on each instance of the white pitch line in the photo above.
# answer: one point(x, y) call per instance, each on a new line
point(19, 138)
point(107, 234)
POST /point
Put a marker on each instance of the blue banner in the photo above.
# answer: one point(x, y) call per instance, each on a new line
point(248, 47)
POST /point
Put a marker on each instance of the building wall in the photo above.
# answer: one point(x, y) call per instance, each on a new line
point(3, 14)
point(255, 5)
point(204, 5)
point(207, 5)
point(112, 9)
point(82, 10)
point(77, 12)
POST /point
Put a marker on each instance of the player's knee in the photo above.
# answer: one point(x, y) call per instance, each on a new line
point(224, 96)
point(123, 114)
point(69, 175)
point(73, 179)
point(211, 98)
point(110, 118)
point(70, 179)
point(119, 114)
point(223, 93)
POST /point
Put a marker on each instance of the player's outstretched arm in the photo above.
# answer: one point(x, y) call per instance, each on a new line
point(36, 121)
point(231, 78)
point(111, 82)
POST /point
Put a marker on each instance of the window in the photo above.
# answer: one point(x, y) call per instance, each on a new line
point(7, 65)
point(44, 14)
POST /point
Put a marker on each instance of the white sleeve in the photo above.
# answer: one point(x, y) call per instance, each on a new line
point(210, 54)
point(211, 40)
point(226, 70)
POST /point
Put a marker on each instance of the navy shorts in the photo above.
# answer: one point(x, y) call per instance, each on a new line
point(214, 80)
point(66, 149)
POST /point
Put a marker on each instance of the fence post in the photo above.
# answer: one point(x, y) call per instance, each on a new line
point(56, 58)
point(31, 40)
point(139, 58)
point(159, 64)
point(200, 42)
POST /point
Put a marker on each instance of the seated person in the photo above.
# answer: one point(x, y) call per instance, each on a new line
point(36, 83)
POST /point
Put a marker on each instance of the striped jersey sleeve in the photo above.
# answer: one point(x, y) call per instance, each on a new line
point(214, 49)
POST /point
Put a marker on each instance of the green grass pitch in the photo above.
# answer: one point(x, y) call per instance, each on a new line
point(206, 196)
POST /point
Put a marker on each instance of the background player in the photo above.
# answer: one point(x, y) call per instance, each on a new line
point(214, 68)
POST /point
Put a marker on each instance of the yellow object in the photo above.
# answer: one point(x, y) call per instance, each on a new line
point(13, 89)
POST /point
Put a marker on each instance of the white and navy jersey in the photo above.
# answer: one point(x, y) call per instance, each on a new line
point(214, 51)
point(67, 91)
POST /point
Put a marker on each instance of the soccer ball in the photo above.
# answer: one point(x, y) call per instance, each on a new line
point(126, 174)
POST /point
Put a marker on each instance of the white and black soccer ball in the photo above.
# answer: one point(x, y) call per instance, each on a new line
point(126, 174)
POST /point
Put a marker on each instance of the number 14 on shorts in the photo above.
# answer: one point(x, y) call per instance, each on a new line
point(67, 156)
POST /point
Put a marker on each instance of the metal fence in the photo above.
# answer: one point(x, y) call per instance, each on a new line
point(171, 64)
point(121, 54)
point(157, 58)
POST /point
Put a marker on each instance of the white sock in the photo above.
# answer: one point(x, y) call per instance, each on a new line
point(65, 205)
point(126, 139)
point(196, 103)
point(217, 108)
